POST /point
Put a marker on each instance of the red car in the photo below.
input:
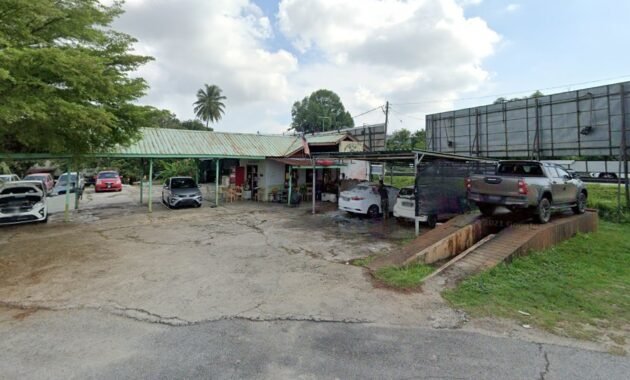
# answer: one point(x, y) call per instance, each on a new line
point(107, 181)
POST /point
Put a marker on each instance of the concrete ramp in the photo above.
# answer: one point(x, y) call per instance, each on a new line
point(466, 235)
point(519, 239)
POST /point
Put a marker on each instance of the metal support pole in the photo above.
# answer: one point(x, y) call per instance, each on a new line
point(217, 178)
point(66, 211)
point(314, 186)
point(150, 197)
point(290, 184)
point(624, 145)
point(141, 179)
point(197, 172)
point(391, 174)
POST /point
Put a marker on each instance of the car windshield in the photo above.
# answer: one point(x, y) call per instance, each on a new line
point(406, 191)
point(360, 188)
point(64, 178)
point(183, 183)
point(520, 169)
point(19, 190)
point(108, 175)
point(34, 177)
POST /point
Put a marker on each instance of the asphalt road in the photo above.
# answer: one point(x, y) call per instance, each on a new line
point(92, 344)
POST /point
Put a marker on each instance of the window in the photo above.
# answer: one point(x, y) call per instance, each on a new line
point(562, 172)
point(108, 175)
point(183, 183)
point(520, 169)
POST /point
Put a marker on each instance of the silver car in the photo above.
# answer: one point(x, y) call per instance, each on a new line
point(181, 191)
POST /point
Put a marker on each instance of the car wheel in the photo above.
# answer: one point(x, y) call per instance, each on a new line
point(543, 211)
point(486, 209)
point(373, 211)
point(432, 221)
point(580, 204)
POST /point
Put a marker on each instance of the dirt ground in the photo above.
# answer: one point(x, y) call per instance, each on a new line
point(243, 260)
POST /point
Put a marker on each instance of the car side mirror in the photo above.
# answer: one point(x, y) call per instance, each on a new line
point(567, 177)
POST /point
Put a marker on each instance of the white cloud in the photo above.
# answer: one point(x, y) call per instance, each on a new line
point(368, 51)
point(466, 3)
point(218, 42)
point(397, 50)
point(511, 8)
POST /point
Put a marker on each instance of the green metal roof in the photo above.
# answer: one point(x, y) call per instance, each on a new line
point(181, 143)
point(161, 142)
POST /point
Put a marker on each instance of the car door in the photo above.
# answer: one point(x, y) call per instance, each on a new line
point(570, 188)
point(165, 189)
point(557, 185)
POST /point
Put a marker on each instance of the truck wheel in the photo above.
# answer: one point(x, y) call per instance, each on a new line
point(543, 211)
point(486, 210)
point(580, 204)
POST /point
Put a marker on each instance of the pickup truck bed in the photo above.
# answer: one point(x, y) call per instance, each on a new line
point(539, 187)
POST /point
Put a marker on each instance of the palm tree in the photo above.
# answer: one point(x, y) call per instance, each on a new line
point(209, 106)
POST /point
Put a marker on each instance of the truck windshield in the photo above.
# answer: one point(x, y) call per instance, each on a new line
point(520, 169)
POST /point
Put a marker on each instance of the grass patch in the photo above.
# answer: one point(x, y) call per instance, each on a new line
point(604, 198)
point(406, 277)
point(364, 261)
point(580, 284)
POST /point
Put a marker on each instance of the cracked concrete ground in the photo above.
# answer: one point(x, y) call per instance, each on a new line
point(190, 293)
point(241, 260)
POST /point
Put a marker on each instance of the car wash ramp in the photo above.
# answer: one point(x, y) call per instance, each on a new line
point(469, 244)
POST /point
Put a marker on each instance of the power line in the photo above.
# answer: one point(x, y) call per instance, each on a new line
point(366, 112)
point(404, 114)
point(509, 93)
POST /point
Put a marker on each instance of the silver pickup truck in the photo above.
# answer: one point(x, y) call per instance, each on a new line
point(532, 185)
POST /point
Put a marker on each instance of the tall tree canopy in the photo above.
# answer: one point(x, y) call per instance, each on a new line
point(403, 139)
point(64, 77)
point(320, 111)
point(209, 106)
point(166, 119)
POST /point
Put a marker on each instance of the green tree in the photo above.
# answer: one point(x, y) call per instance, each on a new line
point(209, 106)
point(157, 118)
point(399, 140)
point(64, 77)
point(320, 111)
point(403, 139)
point(419, 139)
point(194, 125)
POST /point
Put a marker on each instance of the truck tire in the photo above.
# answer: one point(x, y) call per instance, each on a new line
point(486, 209)
point(542, 214)
point(580, 204)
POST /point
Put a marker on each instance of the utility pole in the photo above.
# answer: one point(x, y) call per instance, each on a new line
point(386, 121)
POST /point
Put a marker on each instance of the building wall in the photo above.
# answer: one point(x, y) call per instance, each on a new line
point(274, 176)
point(586, 122)
point(355, 169)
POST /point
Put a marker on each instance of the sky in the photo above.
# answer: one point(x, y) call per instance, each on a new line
point(423, 56)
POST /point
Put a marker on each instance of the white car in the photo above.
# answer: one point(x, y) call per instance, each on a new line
point(8, 178)
point(405, 207)
point(364, 199)
point(22, 202)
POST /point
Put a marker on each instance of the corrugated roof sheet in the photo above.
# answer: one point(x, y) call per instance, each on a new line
point(161, 142)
